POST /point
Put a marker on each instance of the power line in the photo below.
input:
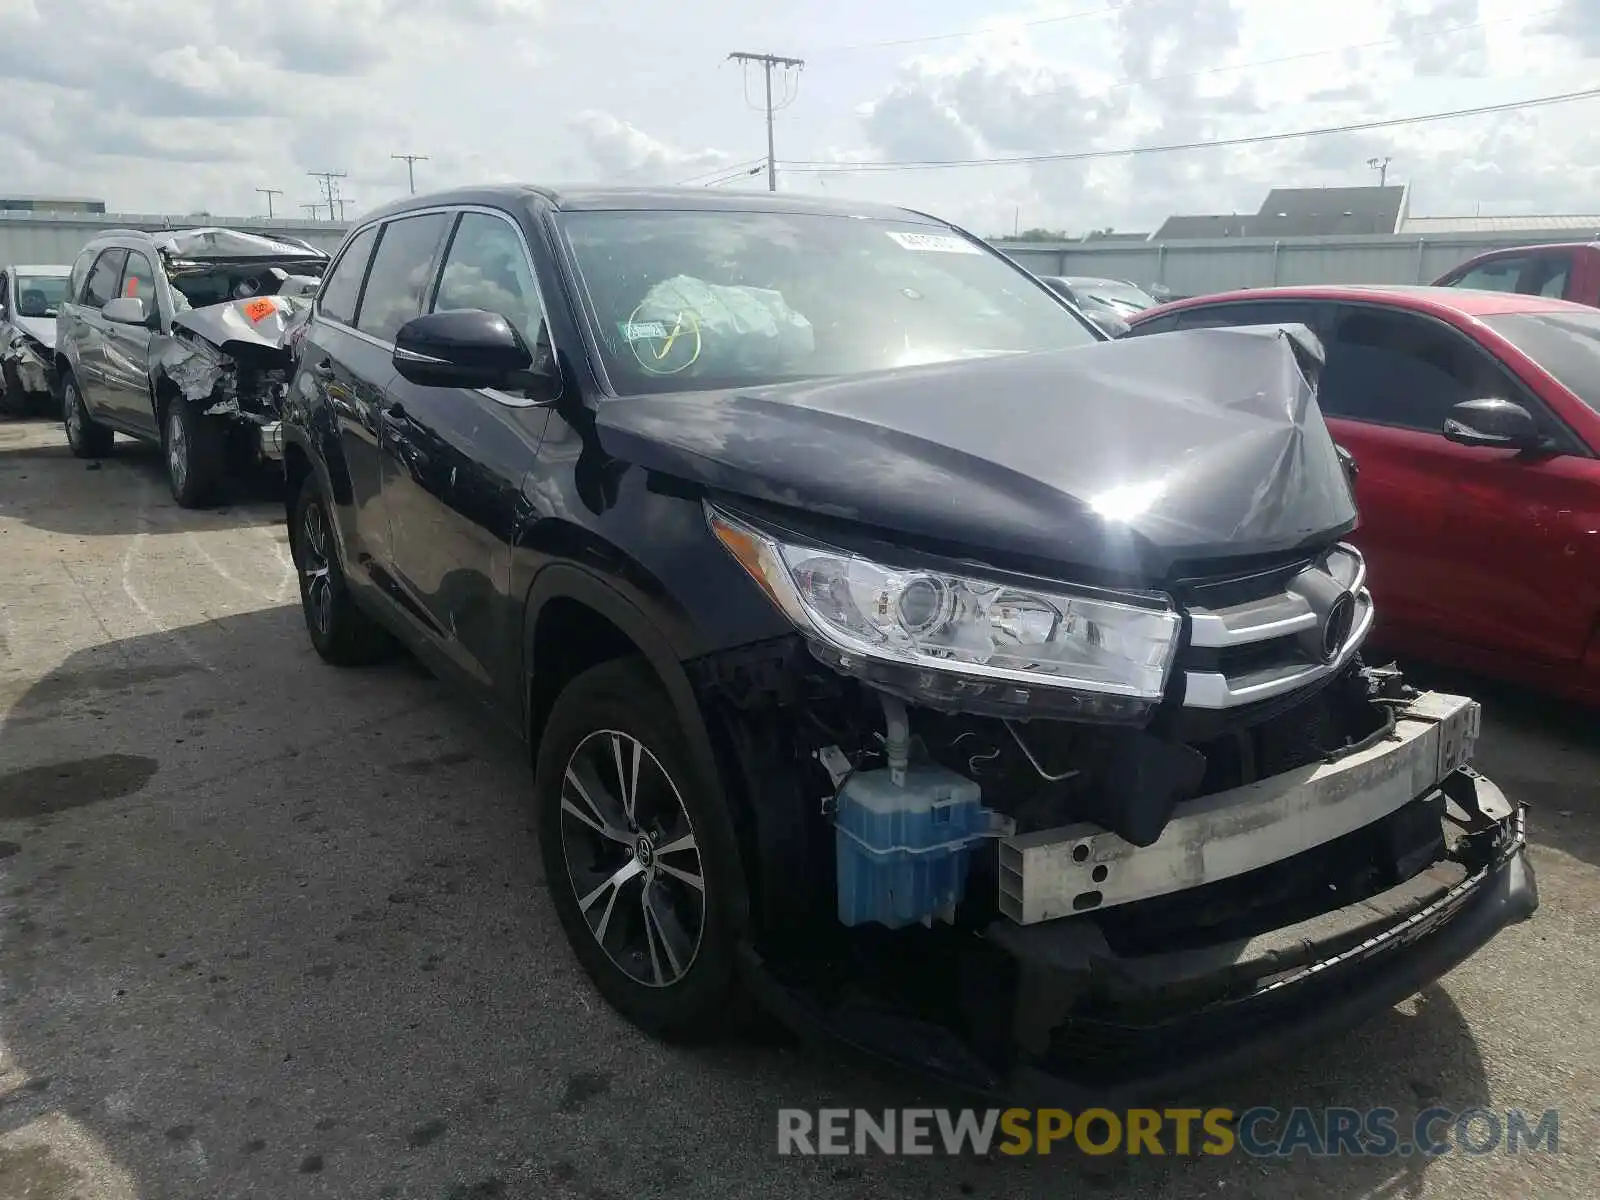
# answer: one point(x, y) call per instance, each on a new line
point(330, 190)
point(837, 168)
point(722, 170)
point(411, 160)
point(269, 193)
point(768, 62)
point(737, 175)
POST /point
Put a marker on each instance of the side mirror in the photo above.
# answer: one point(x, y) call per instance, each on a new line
point(467, 348)
point(1500, 424)
point(126, 310)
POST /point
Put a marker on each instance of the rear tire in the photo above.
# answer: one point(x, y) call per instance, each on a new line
point(195, 450)
point(86, 436)
point(643, 886)
point(341, 632)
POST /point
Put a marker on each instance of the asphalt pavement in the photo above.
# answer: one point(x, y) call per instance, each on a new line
point(271, 929)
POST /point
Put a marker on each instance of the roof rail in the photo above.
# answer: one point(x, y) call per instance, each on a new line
point(144, 233)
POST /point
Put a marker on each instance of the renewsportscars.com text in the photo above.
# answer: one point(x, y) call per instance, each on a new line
point(1257, 1132)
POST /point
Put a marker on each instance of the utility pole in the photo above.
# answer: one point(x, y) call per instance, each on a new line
point(311, 210)
point(411, 160)
point(329, 191)
point(769, 61)
point(1381, 166)
point(269, 193)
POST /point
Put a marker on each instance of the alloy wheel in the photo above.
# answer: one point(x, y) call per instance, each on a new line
point(177, 450)
point(316, 582)
point(74, 414)
point(632, 857)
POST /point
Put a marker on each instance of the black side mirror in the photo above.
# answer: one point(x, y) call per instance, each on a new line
point(469, 348)
point(1501, 424)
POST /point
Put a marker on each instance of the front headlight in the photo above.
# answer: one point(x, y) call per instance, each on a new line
point(953, 641)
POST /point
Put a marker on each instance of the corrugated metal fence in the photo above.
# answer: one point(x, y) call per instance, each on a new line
point(45, 237)
point(1196, 268)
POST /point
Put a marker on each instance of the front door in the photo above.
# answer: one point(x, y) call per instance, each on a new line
point(1465, 545)
point(454, 460)
point(89, 333)
point(126, 362)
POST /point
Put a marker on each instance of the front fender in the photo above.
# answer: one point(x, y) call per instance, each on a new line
point(564, 581)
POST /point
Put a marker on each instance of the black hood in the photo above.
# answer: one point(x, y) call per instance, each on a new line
point(1125, 457)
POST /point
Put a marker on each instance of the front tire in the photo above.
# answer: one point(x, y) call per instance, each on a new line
point(195, 450)
point(86, 436)
point(638, 855)
point(341, 632)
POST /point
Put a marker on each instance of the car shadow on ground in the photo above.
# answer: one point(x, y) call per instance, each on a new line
point(270, 928)
point(131, 484)
point(1541, 750)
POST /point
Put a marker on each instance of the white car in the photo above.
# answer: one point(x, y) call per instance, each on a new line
point(29, 297)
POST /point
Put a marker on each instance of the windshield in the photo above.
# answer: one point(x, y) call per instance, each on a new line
point(689, 300)
point(40, 295)
point(1565, 344)
point(1114, 291)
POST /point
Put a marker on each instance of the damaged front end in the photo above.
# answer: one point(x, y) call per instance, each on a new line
point(1081, 843)
point(236, 359)
point(27, 362)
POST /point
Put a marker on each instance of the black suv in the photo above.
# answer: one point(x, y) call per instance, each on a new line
point(183, 338)
point(975, 688)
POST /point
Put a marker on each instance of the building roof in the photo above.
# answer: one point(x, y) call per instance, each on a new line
point(1177, 229)
point(1300, 212)
point(1537, 224)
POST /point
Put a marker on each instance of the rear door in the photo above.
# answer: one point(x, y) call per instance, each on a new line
point(454, 460)
point(348, 372)
point(1465, 544)
point(126, 352)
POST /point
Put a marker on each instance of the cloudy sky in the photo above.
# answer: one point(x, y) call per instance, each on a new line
point(190, 105)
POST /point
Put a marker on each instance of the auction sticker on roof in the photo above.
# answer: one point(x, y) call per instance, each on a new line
point(938, 243)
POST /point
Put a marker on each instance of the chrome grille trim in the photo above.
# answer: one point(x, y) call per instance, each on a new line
point(1277, 616)
point(1214, 690)
point(1290, 618)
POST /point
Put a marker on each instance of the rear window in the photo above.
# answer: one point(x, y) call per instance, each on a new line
point(1565, 344)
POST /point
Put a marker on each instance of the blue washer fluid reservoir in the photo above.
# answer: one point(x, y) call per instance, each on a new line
point(903, 851)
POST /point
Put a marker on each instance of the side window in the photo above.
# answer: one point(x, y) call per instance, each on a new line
point(402, 271)
point(1392, 368)
point(1162, 324)
point(80, 275)
point(342, 289)
point(139, 280)
point(1496, 275)
point(102, 286)
point(1251, 312)
point(1546, 275)
point(486, 267)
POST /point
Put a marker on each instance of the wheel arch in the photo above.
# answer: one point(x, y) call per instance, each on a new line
point(574, 620)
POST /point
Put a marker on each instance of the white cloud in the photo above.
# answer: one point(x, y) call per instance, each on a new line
point(193, 104)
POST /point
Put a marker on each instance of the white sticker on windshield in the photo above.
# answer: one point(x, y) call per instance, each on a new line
point(938, 243)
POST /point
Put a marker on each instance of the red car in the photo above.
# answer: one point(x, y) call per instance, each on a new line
point(1474, 421)
point(1566, 270)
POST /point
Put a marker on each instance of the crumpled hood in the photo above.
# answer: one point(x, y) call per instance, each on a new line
point(242, 327)
point(41, 329)
point(1126, 456)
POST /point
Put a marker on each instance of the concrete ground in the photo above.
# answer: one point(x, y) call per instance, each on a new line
point(272, 929)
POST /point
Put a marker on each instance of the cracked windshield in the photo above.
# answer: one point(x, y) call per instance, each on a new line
point(824, 601)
